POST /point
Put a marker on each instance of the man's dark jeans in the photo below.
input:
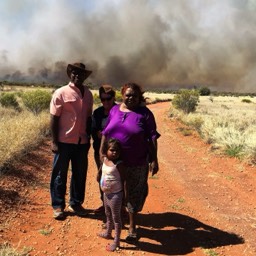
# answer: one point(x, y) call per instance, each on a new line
point(77, 155)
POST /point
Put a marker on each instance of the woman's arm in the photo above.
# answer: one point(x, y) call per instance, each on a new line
point(98, 177)
point(102, 155)
point(152, 135)
point(96, 124)
point(122, 171)
point(153, 160)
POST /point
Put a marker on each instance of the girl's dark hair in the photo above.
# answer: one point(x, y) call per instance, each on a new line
point(136, 88)
point(111, 142)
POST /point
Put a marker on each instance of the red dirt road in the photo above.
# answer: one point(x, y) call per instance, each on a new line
point(199, 204)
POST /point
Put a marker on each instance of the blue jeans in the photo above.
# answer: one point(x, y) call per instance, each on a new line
point(77, 154)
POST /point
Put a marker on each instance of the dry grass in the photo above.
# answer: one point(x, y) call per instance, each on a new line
point(20, 131)
point(227, 123)
point(7, 250)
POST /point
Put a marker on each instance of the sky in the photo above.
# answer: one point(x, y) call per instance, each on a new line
point(165, 44)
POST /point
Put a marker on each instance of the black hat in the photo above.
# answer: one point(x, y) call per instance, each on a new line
point(108, 89)
point(78, 66)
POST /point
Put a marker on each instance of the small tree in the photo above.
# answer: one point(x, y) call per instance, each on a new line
point(186, 100)
point(204, 91)
point(36, 101)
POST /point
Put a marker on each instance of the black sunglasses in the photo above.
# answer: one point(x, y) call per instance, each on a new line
point(106, 99)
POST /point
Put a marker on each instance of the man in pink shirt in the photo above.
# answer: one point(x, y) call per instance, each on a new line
point(71, 110)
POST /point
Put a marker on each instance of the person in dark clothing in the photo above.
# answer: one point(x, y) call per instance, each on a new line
point(99, 118)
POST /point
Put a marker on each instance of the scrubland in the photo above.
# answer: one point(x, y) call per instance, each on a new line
point(227, 123)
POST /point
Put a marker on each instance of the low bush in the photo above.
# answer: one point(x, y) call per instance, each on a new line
point(8, 99)
point(246, 100)
point(36, 101)
point(186, 100)
point(204, 91)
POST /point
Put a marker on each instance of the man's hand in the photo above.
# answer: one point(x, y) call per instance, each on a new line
point(55, 148)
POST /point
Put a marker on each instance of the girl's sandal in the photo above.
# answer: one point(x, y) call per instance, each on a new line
point(104, 235)
point(112, 247)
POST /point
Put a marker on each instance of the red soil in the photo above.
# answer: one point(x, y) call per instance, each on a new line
point(199, 203)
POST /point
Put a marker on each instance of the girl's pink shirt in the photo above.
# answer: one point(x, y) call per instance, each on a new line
point(73, 111)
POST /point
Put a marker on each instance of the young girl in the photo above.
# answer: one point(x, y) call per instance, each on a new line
point(112, 183)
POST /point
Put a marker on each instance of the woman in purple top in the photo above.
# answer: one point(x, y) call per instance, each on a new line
point(133, 124)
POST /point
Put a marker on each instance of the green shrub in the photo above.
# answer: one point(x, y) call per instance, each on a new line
point(119, 97)
point(8, 99)
point(234, 150)
point(96, 99)
point(246, 100)
point(204, 91)
point(36, 101)
point(186, 100)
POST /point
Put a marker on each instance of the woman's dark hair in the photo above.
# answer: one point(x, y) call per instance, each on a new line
point(111, 142)
point(136, 88)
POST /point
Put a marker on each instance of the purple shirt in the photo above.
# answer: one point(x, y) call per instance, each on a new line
point(134, 130)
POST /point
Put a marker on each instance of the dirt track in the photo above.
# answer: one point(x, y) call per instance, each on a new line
point(198, 204)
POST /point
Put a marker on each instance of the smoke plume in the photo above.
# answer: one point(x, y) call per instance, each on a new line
point(158, 44)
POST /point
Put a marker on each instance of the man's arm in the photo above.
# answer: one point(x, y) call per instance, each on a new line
point(89, 126)
point(54, 124)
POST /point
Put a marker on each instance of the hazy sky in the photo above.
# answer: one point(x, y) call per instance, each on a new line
point(157, 43)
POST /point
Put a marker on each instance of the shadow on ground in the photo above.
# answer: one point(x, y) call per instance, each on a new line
point(177, 234)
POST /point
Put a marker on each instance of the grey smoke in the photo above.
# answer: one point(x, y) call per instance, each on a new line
point(159, 44)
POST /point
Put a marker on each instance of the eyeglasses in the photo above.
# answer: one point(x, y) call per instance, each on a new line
point(106, 99)
point(131, 95)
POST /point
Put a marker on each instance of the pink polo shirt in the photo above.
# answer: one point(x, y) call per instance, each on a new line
point(73, 110)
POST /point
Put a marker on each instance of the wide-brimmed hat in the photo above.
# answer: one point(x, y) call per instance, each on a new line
point(108, 89)
point(78, 66)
